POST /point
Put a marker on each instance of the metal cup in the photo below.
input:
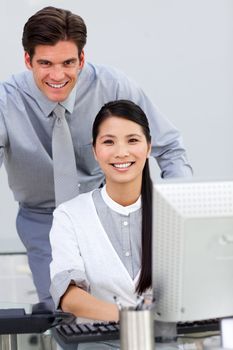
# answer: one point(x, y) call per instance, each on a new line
point(136, 329)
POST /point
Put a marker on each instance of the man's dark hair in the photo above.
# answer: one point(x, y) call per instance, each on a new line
point(130, 111)
point(51, 25)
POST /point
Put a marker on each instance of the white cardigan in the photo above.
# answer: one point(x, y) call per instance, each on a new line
point(79, 242)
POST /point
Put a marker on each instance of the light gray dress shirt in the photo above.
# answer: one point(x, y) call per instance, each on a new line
point(26, 131)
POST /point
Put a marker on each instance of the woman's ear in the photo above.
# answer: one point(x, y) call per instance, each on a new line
point(149, 150)
point(93, 149)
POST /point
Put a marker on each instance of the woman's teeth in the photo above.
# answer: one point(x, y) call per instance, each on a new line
point(123, 165)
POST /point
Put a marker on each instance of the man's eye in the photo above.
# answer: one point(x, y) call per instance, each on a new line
point(44, 63)
point(70, 63)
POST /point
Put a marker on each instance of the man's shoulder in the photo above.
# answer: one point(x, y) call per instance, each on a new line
point(102, 72)
point(12, 89)
point(16, 82)
point(110, 79)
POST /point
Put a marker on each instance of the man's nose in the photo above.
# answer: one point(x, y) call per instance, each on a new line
point(57, 73)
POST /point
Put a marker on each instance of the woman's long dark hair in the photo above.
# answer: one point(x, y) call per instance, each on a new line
point(128, 110)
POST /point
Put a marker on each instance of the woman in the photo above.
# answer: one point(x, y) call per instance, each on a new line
point(101, 240)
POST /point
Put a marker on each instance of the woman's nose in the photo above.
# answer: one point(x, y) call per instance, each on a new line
point(122, 151)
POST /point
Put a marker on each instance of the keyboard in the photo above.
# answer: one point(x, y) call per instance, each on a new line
point(212, 325)
point(87, 332)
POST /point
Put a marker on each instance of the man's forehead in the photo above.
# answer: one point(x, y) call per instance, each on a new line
point(64, 50)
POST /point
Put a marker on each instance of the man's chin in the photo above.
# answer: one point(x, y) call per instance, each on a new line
point(56, 97)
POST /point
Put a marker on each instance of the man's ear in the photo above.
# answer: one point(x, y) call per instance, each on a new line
point(81, 60)
point(27, 60)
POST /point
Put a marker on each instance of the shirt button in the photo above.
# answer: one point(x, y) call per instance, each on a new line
point(79, 185)
point(127, 254)
point(125, 223)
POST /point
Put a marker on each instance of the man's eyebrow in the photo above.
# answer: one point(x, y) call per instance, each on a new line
point(43, 60)
point(47, 60)
point(71, 59)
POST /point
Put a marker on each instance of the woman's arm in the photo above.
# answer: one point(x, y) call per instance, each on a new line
point(82, 304)
point(68, 267)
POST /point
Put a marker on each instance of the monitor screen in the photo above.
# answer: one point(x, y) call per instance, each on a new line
point(192, 259)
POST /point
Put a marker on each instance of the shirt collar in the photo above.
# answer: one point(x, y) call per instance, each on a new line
point(68, 104)
point(117, 207)
point(45, 104)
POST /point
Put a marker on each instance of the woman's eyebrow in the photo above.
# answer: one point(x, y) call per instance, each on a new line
point(106, 135)
point(133, 135)
point(114, 136)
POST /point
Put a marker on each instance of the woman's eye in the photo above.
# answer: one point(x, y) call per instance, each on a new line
point(133, 140)
point(108, 142)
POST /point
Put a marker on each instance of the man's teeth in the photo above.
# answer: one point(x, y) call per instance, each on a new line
point(57, 86)
point(123, 165)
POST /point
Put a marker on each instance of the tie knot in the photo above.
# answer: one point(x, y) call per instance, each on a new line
point(59, 111)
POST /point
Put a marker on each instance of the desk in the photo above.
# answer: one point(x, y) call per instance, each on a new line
point(22, 342)
point(212, 343)
point(197, 341)
point(9, 341)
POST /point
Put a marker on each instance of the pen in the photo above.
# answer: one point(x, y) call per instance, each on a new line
point(117, 302)
point(140, 302)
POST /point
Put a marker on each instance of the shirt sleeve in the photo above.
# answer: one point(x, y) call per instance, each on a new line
point(67, 264)
point(3, 137)
point(167, 143)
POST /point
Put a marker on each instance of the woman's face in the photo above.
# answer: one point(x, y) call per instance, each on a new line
point(121, 150)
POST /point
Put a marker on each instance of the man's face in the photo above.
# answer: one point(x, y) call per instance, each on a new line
point(55, 68)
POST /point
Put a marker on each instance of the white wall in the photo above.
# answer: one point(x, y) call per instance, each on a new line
point(181, 53)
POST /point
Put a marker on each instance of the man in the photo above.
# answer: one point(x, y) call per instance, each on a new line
point(53, 40)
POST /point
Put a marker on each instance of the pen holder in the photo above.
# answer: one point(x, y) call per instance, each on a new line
point(136, 329)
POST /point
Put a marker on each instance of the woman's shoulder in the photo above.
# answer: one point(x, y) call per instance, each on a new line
point(82, 202)
point(78, 200)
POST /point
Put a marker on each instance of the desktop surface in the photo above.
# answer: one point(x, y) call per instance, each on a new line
point(72, 333)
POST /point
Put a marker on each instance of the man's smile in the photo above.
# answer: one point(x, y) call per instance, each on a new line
point(57, 86)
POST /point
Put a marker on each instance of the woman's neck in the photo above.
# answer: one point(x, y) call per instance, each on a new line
point(123, 194)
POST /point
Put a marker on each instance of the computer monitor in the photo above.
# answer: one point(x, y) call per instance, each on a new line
point(192, 259)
